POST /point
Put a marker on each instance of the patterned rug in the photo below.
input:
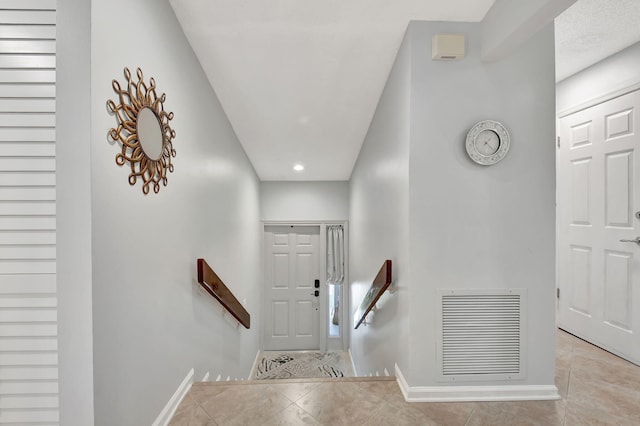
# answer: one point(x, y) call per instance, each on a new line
point(302, 365)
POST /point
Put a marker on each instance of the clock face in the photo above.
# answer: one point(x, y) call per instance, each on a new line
point(487, 142)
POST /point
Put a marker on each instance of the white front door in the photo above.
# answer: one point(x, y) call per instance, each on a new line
point(291, 308)
point(598, 184)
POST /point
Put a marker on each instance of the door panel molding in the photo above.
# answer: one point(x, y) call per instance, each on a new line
point(292, 312)
point(598, 261)
point(326, 342)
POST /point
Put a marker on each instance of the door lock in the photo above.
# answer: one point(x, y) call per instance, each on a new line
point(316, 293)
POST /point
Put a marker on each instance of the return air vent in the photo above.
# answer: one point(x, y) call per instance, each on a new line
point(480, 334)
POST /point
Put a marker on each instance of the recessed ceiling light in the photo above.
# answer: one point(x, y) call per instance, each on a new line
point(298, 167)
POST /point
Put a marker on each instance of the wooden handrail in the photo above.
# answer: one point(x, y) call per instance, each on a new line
point(380, 283)
point(215, 287)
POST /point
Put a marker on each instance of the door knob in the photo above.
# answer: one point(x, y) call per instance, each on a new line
point(316, 293)
point(635, 240)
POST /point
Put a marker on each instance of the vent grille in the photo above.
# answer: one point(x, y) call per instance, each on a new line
point(481, 334)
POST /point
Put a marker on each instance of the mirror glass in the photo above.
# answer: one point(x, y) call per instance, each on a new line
point(149, 133)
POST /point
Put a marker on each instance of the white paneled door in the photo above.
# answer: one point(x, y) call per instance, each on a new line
point(291, 307)
point(598, 183)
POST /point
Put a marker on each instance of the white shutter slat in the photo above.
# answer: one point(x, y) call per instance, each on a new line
point(27, 284)
point(28, 4)
point(26, 62)
point(27, 149)
point(27, 252)
point(28, 179)
point(28, 416)
point(28, 330)
point(27, 46)
point(29, 315)
point(27, 193)
point(28, 16)
point(27, 135)
point(35, 387)
point(21, 164)
point(28, 238)
point(28, 301)
point(28, 401)
point(27, 105)
point(28, 344)
point(27, 76)
point(39, 119)
point(27, 90)
point(32, 266)
point(44, 32)
point(24, 373)
point(28, 208)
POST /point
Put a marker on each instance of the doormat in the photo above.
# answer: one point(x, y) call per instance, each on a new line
point(303, 365)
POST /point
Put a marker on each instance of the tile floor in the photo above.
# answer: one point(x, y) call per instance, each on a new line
point(597, 388)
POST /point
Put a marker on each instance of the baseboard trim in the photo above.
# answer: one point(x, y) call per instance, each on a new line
point(402, 382)
point(254, 367)
point(474, 393)
point(169, 410)
point(353, 364)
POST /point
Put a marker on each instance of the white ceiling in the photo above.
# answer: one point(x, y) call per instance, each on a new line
point(591, 30)
point(300, 80)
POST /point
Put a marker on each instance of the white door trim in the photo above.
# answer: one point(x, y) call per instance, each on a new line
point(599, 100)
point(323, 276)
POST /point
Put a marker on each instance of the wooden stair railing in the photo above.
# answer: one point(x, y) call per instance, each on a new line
point(216, 288)
point(380, 283)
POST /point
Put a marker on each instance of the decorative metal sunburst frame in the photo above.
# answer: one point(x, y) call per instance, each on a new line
point(136, 96)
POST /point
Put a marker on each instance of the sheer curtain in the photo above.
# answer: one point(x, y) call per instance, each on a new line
point(335, 275)
point(335, 254)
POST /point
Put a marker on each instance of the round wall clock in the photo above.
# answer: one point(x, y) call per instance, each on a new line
point(487, 142)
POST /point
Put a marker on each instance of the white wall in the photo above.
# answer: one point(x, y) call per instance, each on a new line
point(446, 222)
point(379, 219)
point(614, 73)
point(482, 227)
point(152, 324)
point(304, 201)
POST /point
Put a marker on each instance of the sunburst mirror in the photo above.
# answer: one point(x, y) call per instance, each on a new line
point(143, 130)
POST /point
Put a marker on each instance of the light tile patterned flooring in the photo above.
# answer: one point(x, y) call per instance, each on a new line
point(597, 388)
